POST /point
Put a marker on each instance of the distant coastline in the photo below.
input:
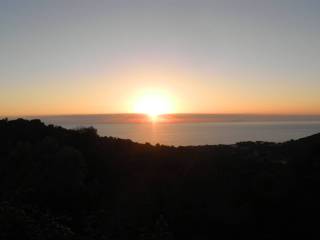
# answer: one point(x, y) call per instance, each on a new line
point(192, 129)
point(168, 118)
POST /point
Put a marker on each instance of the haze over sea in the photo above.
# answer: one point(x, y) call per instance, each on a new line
point(194, 129)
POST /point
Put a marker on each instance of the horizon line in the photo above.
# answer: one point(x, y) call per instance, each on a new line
point(164, 114)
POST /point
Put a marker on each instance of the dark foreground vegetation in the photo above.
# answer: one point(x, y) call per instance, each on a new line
point(72, 184)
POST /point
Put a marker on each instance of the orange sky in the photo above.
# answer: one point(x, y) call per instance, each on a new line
point(120, 91)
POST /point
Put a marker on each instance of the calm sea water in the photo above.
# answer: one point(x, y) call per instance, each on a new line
point(196, 129)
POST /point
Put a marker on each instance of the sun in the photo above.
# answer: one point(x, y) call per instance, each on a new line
point(153, 105)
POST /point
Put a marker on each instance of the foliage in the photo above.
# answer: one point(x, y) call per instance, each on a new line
point(72, 184)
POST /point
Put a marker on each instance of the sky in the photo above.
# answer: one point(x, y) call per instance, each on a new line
point(82, 57)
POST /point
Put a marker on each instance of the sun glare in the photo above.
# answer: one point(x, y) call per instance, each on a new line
point(153, 105)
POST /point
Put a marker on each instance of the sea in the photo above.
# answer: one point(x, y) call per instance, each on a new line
point(193, 129)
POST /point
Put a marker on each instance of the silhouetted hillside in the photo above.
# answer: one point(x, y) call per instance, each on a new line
point(72, 184)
